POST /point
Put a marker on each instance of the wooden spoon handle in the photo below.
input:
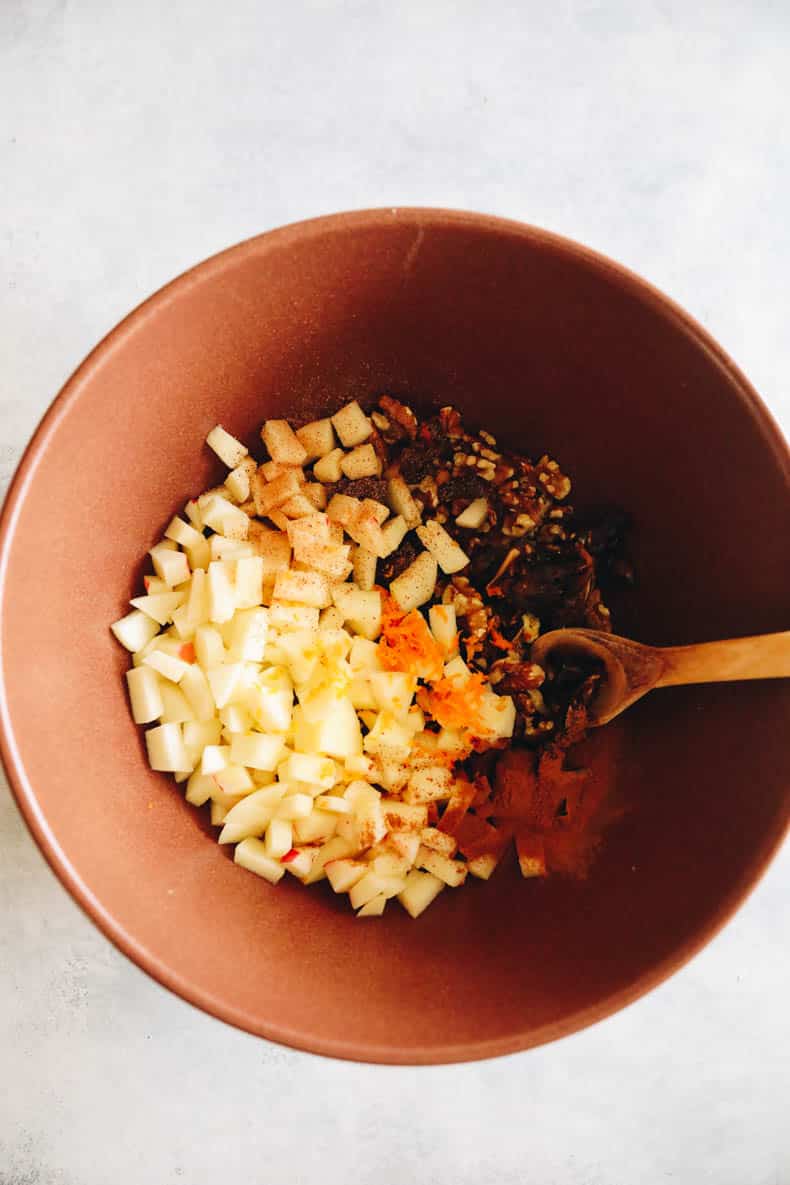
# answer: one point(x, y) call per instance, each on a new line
point(766, 656)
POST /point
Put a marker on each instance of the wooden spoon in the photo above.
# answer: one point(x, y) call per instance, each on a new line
point(631, 669)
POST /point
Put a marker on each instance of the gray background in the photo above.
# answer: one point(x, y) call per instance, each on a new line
point(137, 138)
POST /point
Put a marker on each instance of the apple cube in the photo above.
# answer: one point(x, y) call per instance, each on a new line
point(315, 492)
point(393, 533)
point(269, 495)
point(270, 471)
point(299, 861)
point(248, 584)
point(343, 509)
point(315, 828)
point(393, 691)
point(279, 838)
point(332, 803)
point(251, 815)
point(401, 501)
point(209, 647)
point(183, 533)
point(338, 733)
point(166, 749)
point(238, 480)
point(221, 591)
point(365, 530)
point(175, 706)
point(364, 568)
point(135, 630)
point(417, 583)
point(352, 425)
point(452, 872)
point(328, 468)
point(444, 627)
point(257, 750)
point(215, 758)
point(483, 866)
point(438, 841)
point(282, 443)
point(403, 816)
point(405, 844)
point(373, 908)
point(195, 688)
point(144, 694)
point(362, 610)
point(271, 700)
point(229, 450)
point(295, 806)
point(369, 886)
point(170, 564)
point(497, 715)
point(429, 785)
point(305, 588)
point(344, 874)
point(224, 681)
point(308, 767)
point(251, 854)
point(166, 665)
point(317, 438)
point(362, 461)
point(248, 634)
point(222, 548)
point(531, 852)
point(444, 549)
point(234, 779)
point(334, 849)
point(299, 506)
point(199, 787)
point(420, 890)
point(330, 619)
point(225, 518)
point(474, 516)
point(389, 739)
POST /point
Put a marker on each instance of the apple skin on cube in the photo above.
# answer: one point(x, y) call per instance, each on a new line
point(145, 696)
point(421, 889)
point(166, 749)
point(251, 854)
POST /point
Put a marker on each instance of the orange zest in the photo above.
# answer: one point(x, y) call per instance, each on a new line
point(407, 644)
point(454, 701)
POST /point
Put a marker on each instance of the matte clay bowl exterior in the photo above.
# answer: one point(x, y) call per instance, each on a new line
point(550, 347)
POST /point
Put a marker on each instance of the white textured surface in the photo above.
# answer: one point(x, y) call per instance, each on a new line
point(135, 139)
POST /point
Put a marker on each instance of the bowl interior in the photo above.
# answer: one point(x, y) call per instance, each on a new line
point(551, 348)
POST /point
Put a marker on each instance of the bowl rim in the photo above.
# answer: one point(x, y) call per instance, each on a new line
point(24, 794)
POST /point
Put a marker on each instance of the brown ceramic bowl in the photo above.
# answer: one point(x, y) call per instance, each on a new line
point(551, 347)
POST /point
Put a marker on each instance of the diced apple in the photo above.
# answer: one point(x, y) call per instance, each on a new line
point(483, 866)
point(251, 854)
point(497, 715)
point(224, 681)
point(215, 758)
point(373, 908)
point(315, 492)
point(364, 568)
point(307, 532)
point(299, 865)
point(330, 619)
point(234, 779)
point(452, 872)
point(169, 563)
point(388, 863)
point(447, 553)
point(271, 470)
point(221, 548)
point(283, 444)
point(144, 694)
point(531, 852)
point(338, 733)
point(417, 583)
point(183, 533)
point(238, 480)
point(421, 889)
point(229, 450)
point(166, 749)
point(286, 617)
point(444, 628)
point(199, 555)
point(344, 874)
point(352, 425)
point(439, 841)
point(271, 701)
point(456, 668)
point(257, 750)
point(332, 803)
point(248, 583)
point(328, 468)
point(433, 784)
point(304, 588)
point(393, 533)
point(317, 827)
point(167, 665)
point(474, 516)
point(317, 438)
point(367, 887)
point(401, 501)
point(343, 509)
point(334, 849)
point(295, 806)
point(402, 816)
point(393, 691)
point(221, 593)
point(175, 706)
point(362, 461)
point(405, 844)
point(225, 518)
point(192, 511)
point(269, 495)
point(199, 787)
point(279, 838)
point(135, 630)
point(389, 739)
point(365, 530)
point(299, 506)
point(209, 647)
point(307, 767)
point(362, 610)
